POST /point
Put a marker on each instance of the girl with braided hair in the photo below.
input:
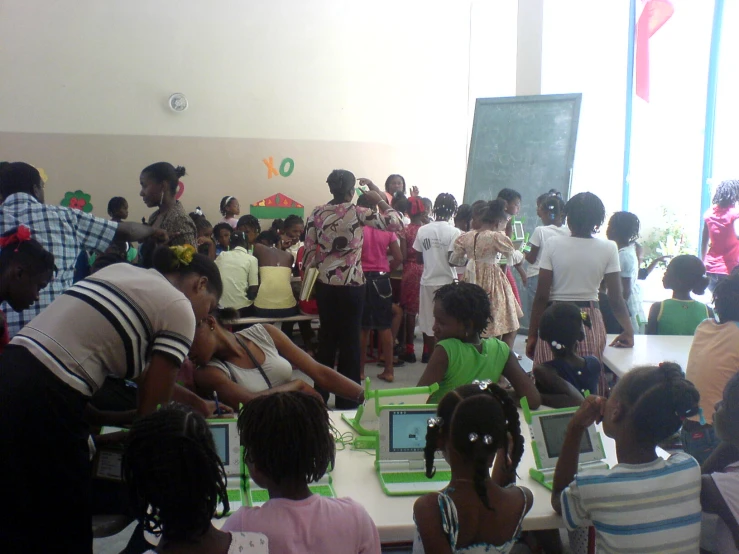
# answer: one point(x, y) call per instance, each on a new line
point(288, 444)
point(461, 315)
point(175, 481)
point(476, 427)
point(645, 503)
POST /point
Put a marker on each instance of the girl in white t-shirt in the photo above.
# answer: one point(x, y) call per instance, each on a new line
point(550, 209)
point(571, 270)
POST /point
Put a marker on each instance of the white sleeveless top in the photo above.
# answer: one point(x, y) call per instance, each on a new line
point(278, 370)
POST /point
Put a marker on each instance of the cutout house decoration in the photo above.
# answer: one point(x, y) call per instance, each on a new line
point(276, 206)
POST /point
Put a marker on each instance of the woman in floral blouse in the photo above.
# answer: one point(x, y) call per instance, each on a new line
point(333, 245)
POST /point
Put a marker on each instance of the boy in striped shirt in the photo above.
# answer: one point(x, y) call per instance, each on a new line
point(644, 504)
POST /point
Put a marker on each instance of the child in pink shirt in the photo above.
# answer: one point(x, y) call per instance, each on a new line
point(287, 445)
point(720, 229)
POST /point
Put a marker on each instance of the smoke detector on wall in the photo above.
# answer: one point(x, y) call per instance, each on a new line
point(178, 102)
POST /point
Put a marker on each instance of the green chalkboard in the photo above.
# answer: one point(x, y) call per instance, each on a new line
point(526, 143)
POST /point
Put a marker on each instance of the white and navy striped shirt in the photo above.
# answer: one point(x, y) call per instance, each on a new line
point(110, 324)
point(641, 508)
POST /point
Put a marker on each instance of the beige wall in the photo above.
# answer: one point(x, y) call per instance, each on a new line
point(375, 88)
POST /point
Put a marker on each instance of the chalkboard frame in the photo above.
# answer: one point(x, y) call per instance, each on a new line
point(575, 98)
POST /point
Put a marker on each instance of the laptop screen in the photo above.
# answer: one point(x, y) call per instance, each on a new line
point(220, 437)
point(554, 428)
point(408, 430)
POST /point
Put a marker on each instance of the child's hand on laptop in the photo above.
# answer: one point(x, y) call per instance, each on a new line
point(591, 411)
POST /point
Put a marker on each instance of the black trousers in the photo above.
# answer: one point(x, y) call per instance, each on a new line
point(340, 312)
point(44, 463)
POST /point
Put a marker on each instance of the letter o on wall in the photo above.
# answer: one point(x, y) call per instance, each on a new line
point(286, 167)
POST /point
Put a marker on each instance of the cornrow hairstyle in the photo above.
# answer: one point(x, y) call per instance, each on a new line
point(624, 227)
point(291, 221)
point(509, 195)
point(270, 237)
point(390, 178)
point(174, 476)
point(658, 399)
point(444, 207)
point(115, 204)
point(416, 206)
point(341, 182)
point(467, 416)
point(400, 203)
point(585, 213)
point(166, 262)
point(225, 201)
point(29, 254)
point(287, 436)
point(689, 272)
point(554, 207)
point(726, 299)
point(727, 193)
point(467, 303)
point(220, 227)
point(249, 221)
point(494, 212)
point(18, 177)
point(561, 323)
point(165, 171)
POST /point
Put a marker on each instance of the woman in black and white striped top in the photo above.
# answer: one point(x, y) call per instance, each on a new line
point(124, 322)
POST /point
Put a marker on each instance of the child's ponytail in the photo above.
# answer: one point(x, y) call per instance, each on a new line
point(660, 398)
point(513, 424)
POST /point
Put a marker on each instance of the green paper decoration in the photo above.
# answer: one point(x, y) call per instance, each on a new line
point(77, 200)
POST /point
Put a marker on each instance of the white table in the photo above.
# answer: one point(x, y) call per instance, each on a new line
point(354, 476)
point(648, 349)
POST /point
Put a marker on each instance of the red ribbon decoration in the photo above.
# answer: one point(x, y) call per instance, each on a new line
point(23, 234)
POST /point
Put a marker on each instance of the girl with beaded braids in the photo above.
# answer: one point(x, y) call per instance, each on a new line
point(461, 315)
point(476, 427)
point(644, 503)
point(175, 481)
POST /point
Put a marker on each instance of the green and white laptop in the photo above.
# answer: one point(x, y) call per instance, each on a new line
point(399, 461)
point(226, 438)
point(548, 429)
point(365, 421)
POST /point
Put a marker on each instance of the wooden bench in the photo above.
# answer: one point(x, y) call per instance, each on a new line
point(252, 320)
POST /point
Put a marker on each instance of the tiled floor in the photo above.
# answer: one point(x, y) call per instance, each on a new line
point(406, 376)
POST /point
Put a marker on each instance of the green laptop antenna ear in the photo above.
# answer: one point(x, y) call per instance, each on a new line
point(526, 409)
point(403, 391)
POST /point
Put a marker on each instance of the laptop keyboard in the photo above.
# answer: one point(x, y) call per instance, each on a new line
point(416, 477)
point(262, 495)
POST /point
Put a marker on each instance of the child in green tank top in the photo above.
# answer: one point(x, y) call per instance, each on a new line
point(461, 314)
point(680, 315)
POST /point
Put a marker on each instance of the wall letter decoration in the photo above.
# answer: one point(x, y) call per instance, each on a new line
point(77, 200)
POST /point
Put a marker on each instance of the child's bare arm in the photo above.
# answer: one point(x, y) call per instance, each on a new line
point(591, 411)
point(652, 321)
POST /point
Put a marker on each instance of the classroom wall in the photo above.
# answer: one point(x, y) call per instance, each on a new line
point(375, 88)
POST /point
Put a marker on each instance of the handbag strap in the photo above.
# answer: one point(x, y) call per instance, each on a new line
point(253, 360)
point(474, 247)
